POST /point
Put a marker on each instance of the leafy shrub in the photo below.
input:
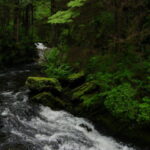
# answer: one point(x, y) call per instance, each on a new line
point(144, 111)
point(89, 100)
point(123, 75)
point(63, 17)
point(102, 63)
point(54, 67)
point(119, 101)
point(104, 80)
point(52, 55)
point(76, 3)
point(58, 72)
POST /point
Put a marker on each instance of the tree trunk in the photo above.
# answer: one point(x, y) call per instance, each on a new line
point(16, 21)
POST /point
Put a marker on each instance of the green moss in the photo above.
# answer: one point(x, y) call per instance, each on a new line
point(83, 89)
point(144, 113)
point(44, 96)
point(120, 102)
point(42, 83)
point(47, 99)
point(76, 76)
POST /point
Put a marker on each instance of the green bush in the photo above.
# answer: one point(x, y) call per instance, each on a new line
point(89, 100)
point(144, 111)
point(101, 63)
point(54, 67)
point(104, 80)
point(120, 101)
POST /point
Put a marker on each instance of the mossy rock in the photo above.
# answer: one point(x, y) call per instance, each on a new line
point(86, 88)
point(76, 76)
point(76, 79)
point(43, 83)
point(47, 99)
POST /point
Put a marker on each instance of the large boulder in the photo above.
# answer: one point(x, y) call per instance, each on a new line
point(76, 76)
point(86, 88)
point(48, 99)
point(76, 79)
point(43, 84)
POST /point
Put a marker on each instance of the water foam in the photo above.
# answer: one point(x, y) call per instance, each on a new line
point(59, 130)
point(47, 129)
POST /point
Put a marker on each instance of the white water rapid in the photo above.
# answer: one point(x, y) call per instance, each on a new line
point(27, 126)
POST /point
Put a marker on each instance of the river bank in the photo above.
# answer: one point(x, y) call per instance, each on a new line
point(68, 94)
point(25, 125)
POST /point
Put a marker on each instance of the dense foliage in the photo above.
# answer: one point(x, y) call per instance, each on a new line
point(18, 31)
point(107, 39)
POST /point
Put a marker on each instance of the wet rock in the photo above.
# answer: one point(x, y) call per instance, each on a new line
point(85, 88)
point(43, 84)
point(3, 137)
point(85, 127)
point(76, 79)
point(76, 76)
point(48, 99)
point(14, 147)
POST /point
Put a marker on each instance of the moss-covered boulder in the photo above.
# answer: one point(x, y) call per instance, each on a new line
point(43, 84)
point(76, 79)
point(86, 88)
point(76, 76)
point(48, 99)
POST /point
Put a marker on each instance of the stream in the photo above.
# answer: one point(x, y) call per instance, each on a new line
point(27, 126)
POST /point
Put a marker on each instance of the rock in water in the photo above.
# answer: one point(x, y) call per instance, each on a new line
point(48, 99)
point(43, 84)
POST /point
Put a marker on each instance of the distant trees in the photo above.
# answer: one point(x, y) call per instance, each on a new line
point(110, 25)
point(110, 41)
point(16, 25)
point(97, 26)
point(18, 16)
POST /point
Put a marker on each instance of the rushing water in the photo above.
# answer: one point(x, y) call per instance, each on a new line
point(26, 126)
point(41, 48)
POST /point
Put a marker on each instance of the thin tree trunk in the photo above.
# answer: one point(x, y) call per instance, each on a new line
point(16, 21)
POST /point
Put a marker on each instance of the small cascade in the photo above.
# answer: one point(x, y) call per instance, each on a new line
point(41, 50)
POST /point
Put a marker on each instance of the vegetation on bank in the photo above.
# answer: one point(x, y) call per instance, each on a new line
point(116, 109)
point(100, 53)
point(123, 89)
point(122, 80)
point(100, 39)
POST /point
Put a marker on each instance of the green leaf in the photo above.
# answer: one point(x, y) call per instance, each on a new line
point(63, 17)
point(76, 3)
